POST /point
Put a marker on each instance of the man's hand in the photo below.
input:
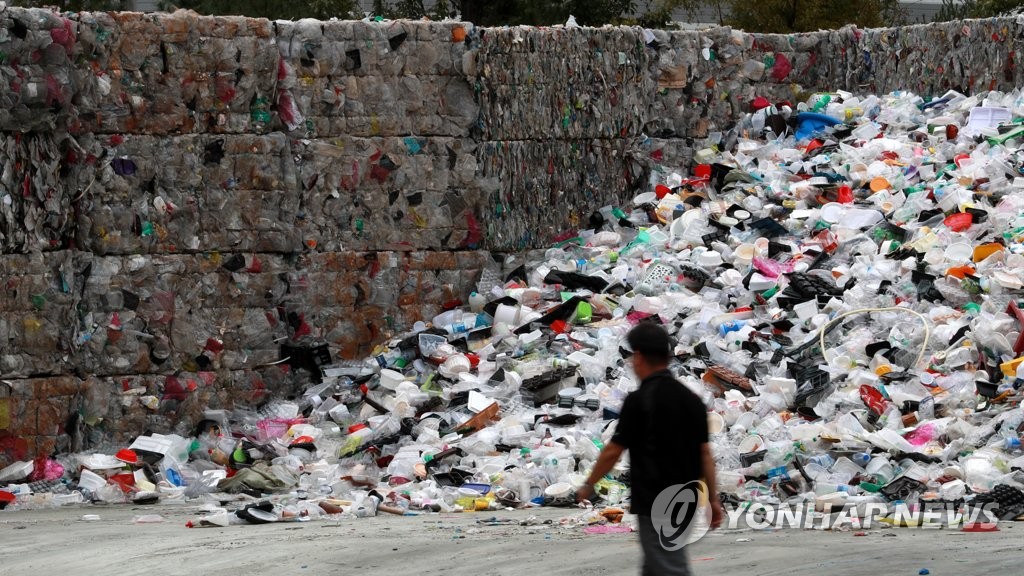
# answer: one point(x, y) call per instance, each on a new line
point(716, 513)
point(605, 462)
point(584, 493)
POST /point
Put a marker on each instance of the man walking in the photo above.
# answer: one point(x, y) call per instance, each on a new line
point(664, 426)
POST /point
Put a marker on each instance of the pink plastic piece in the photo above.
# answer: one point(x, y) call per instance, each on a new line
point(771, 268)
point(921, 435)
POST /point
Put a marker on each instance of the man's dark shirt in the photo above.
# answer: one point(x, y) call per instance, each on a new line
point(663, 425)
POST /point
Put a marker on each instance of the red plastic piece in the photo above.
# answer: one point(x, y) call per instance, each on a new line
point(959, 222)
point(124, 481)
point(874, 399)
point(127, 455)
point(214, 345)
point(845, 194)
point(980, 527)
point(782, 67)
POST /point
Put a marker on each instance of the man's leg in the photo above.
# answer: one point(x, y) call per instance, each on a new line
point(657, 561)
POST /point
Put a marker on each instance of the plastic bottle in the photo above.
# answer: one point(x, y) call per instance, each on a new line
point(823, 488)
point(861, 459)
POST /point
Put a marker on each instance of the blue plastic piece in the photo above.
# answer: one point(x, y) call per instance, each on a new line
point(174, 477)
point(727, 327)
point(810, 123)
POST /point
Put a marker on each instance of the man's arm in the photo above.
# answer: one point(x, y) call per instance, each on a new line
point(605, 462)
point(708, 461)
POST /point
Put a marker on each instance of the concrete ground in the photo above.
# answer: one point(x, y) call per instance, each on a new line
point(59, 541)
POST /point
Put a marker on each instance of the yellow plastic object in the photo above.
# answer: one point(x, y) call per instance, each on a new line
point(985, 250)
point(901, 522)
point(1010, 368)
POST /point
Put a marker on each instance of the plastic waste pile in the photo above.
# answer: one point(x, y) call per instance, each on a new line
point(843, 278)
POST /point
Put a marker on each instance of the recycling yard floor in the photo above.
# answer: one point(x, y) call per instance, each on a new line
point(45, 541)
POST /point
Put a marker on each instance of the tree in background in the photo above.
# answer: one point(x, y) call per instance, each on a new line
point(785, 16)
point(782, 16)
point(543, 12)
point(75, 5)
point(788, 16)
point(960, 9)
point(271, 9)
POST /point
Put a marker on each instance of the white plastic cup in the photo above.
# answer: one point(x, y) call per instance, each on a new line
point(750, 444)
point(745, 421)
point(715, 422)
point(390, 379)
point(455, 365)
point(744, 254)
point(506, 314)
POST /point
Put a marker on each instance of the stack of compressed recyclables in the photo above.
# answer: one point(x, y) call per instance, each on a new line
point(843, 281)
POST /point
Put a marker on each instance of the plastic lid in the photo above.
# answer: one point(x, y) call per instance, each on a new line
point(832, 212)
point(959, 252)
point(558, 490)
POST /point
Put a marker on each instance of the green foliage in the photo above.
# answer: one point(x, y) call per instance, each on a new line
point(512, 12)
point(272, 9)
point(74, 5)
point(786, 16)
point(960, 9)
point(545, 12)
point(782, 16)
point(779, 16)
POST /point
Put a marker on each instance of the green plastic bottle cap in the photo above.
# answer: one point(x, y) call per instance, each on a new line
point(584, 312)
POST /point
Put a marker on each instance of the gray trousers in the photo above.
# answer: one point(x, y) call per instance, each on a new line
point(657, 560)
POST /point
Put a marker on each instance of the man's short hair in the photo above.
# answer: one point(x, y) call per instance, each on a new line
point(650, 341)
